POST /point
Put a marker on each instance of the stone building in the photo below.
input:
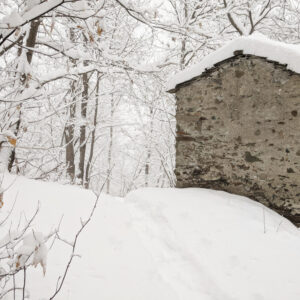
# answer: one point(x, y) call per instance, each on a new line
point(238, 123)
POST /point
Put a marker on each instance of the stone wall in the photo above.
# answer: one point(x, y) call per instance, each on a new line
point(238, 130)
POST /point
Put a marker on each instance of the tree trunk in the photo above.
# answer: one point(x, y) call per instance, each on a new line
point(93, 138)
point(82, 139)
point(69, 131)
point(149, 147)
point(110, 147)
point(183, 41)
point(30, 43)
point(69, 138)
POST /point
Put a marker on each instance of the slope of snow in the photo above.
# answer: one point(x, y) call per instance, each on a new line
point(214, 245)
point(255, 44)
point(113, 263)
point(161, 244)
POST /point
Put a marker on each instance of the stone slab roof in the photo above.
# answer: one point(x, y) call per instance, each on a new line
point(256, 44)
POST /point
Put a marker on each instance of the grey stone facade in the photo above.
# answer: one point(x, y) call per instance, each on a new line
point(238, 130)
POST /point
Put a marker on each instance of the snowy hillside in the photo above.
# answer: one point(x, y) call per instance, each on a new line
point(160, 244)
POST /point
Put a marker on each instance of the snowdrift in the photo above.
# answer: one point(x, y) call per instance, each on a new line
point(161, 244)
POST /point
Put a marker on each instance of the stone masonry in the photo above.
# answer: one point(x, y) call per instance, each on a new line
point(238, 130)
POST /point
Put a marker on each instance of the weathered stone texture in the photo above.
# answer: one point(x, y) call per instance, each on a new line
point(238, 130)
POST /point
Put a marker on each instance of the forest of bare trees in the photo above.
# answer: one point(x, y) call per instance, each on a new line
point(83, 82)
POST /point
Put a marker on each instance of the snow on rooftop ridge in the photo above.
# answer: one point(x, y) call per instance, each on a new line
point(256, 44)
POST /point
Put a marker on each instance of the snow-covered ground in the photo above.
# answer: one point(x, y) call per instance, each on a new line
point(160, 244)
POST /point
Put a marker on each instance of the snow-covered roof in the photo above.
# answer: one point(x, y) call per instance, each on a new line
point(256, 44)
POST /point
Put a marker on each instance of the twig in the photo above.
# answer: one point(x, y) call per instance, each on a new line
point(83, 225)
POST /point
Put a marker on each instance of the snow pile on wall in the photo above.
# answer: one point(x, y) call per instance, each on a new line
point(158, 244)
point(255, 44)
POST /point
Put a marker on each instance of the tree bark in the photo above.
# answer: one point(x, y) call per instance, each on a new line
point(149, 149)
point(30, 43)
point(69, 138)
point(93, 138)
point(110, 147)
point(70, 128)
point(82, 139)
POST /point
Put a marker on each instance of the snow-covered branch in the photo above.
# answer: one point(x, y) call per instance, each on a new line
point(9, 24)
